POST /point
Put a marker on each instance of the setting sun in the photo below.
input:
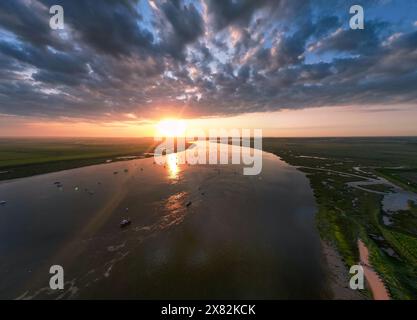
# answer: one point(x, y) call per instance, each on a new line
point(171, 128)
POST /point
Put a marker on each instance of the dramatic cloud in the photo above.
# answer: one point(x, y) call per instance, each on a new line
point(140, 58)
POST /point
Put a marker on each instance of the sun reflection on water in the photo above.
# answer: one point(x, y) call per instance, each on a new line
point(173, 168)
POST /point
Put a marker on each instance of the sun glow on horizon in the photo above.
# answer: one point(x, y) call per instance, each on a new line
point(171, 128)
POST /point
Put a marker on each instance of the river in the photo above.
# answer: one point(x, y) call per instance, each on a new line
point(240, 237)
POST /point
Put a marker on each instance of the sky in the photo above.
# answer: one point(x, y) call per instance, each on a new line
point(290, 67)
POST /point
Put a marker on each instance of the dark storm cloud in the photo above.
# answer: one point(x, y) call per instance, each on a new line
point(26, 21)
point(186, 26)
point(109, 26)
point(185, 20)
point(226, 12)
point(208, 57)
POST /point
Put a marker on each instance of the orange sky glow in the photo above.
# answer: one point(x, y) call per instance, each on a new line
point(312, 122)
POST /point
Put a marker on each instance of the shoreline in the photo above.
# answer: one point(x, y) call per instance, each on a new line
point(338, 279)
point(339, 275)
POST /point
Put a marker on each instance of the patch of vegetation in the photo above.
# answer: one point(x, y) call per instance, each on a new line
point(382, 152)
point(405, 178)
point(406, 220)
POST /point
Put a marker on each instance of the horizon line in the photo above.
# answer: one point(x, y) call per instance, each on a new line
point(151, 137)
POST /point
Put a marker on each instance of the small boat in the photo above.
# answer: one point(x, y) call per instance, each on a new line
point(124, 223)
point(2, 203)
point(188, 204)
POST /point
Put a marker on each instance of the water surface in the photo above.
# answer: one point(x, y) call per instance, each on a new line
point(241, 237)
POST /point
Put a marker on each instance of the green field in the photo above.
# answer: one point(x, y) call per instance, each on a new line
point(405, 178)
point(346, 214)
point(25, 157)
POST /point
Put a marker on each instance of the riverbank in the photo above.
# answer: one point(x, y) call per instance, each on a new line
point(339, 275)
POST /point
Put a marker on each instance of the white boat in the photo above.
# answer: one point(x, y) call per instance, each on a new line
point(125, 223)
